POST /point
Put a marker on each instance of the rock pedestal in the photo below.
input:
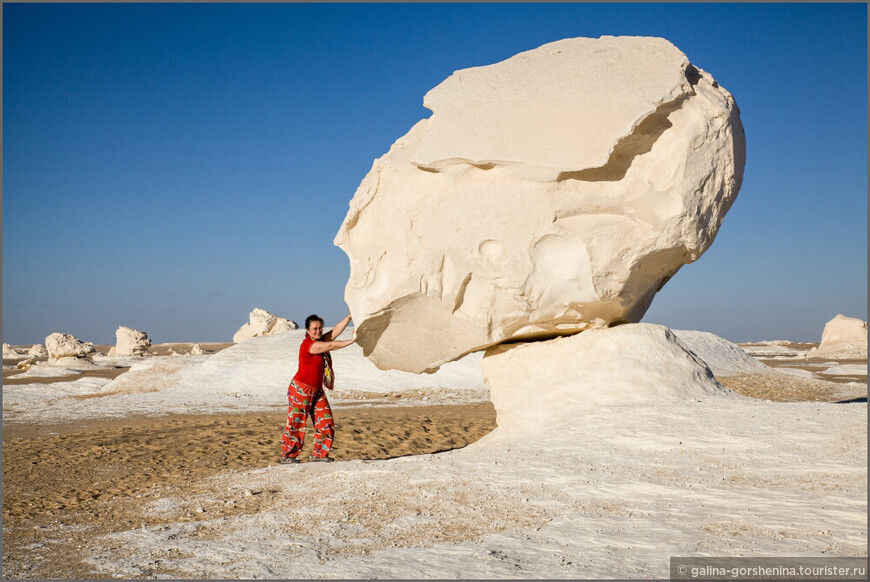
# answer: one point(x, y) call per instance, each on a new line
point(538, 387)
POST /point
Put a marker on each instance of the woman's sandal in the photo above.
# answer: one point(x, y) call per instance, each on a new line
point(323, 459)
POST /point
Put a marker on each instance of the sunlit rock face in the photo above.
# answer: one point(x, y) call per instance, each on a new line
point(549, 193)
point(37, 350)
point(262, 322)
point(131, 342)
point(843, 338)
point(10, 352)
point(65, 345)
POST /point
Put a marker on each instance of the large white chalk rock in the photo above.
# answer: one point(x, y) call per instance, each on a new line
point(539, 386)
point(843, 338)
point(262, 322)
point(64, 345)
point(130, 342)
point(552, 192)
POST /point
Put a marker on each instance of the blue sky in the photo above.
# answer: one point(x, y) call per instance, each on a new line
point(171, 166)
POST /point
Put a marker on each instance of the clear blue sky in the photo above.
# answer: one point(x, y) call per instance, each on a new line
point(169, 167)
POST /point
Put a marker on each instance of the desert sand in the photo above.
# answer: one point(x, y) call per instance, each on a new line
point(65, 485)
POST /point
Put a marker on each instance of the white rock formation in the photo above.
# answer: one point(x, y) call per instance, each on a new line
point(537, 387)
point(38, 351)
point(130, 342)
point(64, 345)
point(721, 356)
point(843, 337)
point(196, 350)
point(552, 192)
point(262, 322)
point(11, 352)
point(25, 364)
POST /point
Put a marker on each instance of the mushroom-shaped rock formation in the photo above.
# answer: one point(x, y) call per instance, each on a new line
point(552, 192)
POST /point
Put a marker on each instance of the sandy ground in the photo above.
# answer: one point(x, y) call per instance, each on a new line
point(793, 389)
point(65, 485)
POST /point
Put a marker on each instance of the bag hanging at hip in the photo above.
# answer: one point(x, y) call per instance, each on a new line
point(328, 374)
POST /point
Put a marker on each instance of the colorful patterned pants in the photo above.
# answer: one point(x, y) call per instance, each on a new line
point(307, 401)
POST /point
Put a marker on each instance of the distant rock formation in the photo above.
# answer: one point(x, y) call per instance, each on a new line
point(843, 338)
point(10, 352)
point(262, 322)
point(38, 351)
point(64, 345)
point(130, 342)
point(196, 350)
point(552, 192)
point(25, 364)
point(723, 357)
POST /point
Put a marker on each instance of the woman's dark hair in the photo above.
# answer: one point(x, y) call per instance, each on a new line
point(311, 318)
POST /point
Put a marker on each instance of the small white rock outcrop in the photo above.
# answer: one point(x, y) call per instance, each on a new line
point(721, 356)
point(130, 342)
point(25, 364)
point(64, 345)
point(552, 192)
point(843, 338)
point(37, 351)
point(196, 350)
point(11, 352)
point(262, 322)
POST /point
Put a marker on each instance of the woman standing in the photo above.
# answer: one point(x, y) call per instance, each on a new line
point(306, 391)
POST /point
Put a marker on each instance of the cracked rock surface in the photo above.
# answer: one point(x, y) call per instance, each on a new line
point(553, 192)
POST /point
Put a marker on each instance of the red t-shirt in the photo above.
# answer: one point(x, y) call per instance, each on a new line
point(310, 365)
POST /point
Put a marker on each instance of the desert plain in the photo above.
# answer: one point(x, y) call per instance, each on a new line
point(103, 482)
